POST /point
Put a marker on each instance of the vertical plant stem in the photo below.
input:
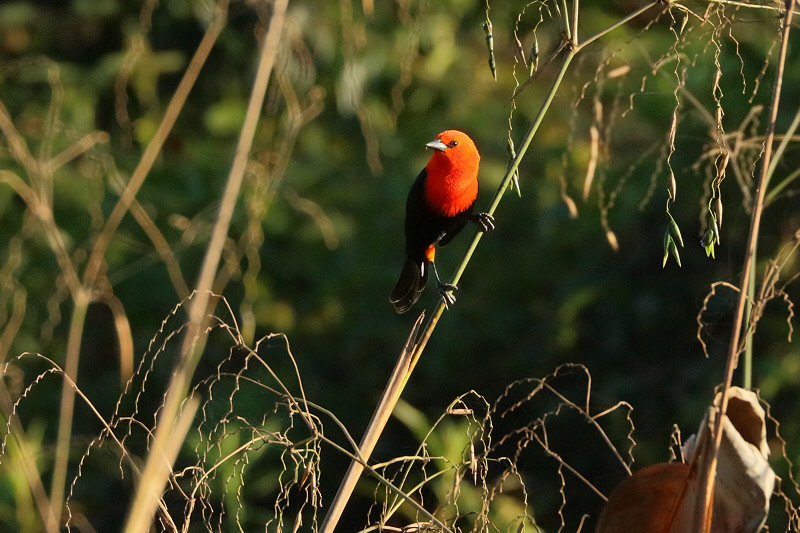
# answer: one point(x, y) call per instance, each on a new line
point(410, 356)
point(82, 299)
point(778, 153)
point(95, 262)
point(148, 495)
point(393, 390)
point(566, 20)
point(426, 334)
point(758, 207)
point(156, 470)
point(575, 6)
point(787, 138)
point(374, 429)
point(747, 364)
point(24, 459)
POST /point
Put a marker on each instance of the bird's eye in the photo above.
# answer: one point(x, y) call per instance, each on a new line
point(452, 144)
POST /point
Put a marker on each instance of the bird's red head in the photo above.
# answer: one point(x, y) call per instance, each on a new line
point(453, 148)
point(452, 181)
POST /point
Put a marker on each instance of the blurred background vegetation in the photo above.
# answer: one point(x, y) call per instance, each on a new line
point(316, 243)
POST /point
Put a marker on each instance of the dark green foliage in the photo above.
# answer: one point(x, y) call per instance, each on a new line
point(317, 238)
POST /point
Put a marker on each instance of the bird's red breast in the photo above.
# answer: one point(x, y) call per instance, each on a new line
point(451, 185)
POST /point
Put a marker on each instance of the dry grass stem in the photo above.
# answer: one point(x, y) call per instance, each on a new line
point(154, 475)
point(758, 206)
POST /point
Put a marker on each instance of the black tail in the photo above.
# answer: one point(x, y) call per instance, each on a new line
point(412, 280)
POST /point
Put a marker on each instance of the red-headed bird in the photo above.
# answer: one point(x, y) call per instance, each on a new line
point(439, 205)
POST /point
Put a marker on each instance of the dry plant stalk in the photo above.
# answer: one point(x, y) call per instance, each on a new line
point(82, 296)
point(666, 497)
point(571, 46)
point(703, 523)
point(155, 473)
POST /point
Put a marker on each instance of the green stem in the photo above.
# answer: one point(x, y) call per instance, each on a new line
point(493, 206)
point(774, 163)
point(747, 378)
point(784, 143)
point(156, 470)
point(566, 20)
point(782, 185)
point(617, 25)
point(404, 367)
point(58, 484)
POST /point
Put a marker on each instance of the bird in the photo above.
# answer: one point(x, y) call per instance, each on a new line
point(439, 205)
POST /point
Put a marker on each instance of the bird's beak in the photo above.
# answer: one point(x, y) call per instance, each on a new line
point(437, 145)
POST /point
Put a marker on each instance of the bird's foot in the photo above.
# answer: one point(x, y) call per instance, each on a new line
point(446, 292)
point(484, 220)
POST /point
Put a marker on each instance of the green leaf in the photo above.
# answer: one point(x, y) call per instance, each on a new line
point(667, 242)
point(673, 249)
point(708, 242)
point(674, 230)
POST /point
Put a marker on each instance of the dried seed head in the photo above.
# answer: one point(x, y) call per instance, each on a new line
point(473, 463)
point(520, 51)
point(723, 166)
point(487, 27)
point(618, 72)
point(594, 152)
point(714, 229)
point(612, 240)
point(673, 186)
point(573, 209)
point(718, 209)
point(534, 57)
point(673, 128)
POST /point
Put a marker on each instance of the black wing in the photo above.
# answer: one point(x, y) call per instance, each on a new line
point(425, 227)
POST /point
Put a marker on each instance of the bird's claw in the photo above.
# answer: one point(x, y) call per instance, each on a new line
point(446, 292)
point(485, 221)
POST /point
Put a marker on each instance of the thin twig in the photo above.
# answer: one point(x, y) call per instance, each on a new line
point(385, 482)
point(616, 25)
point(393, 391)
point(102, 241)
point(774, 7)
point(155, 472)
point(82, 296)
point(379, 418)
point(780, 186)
point(66, 410)
point(24, 459)
point(709, 477)
point(787, 137)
